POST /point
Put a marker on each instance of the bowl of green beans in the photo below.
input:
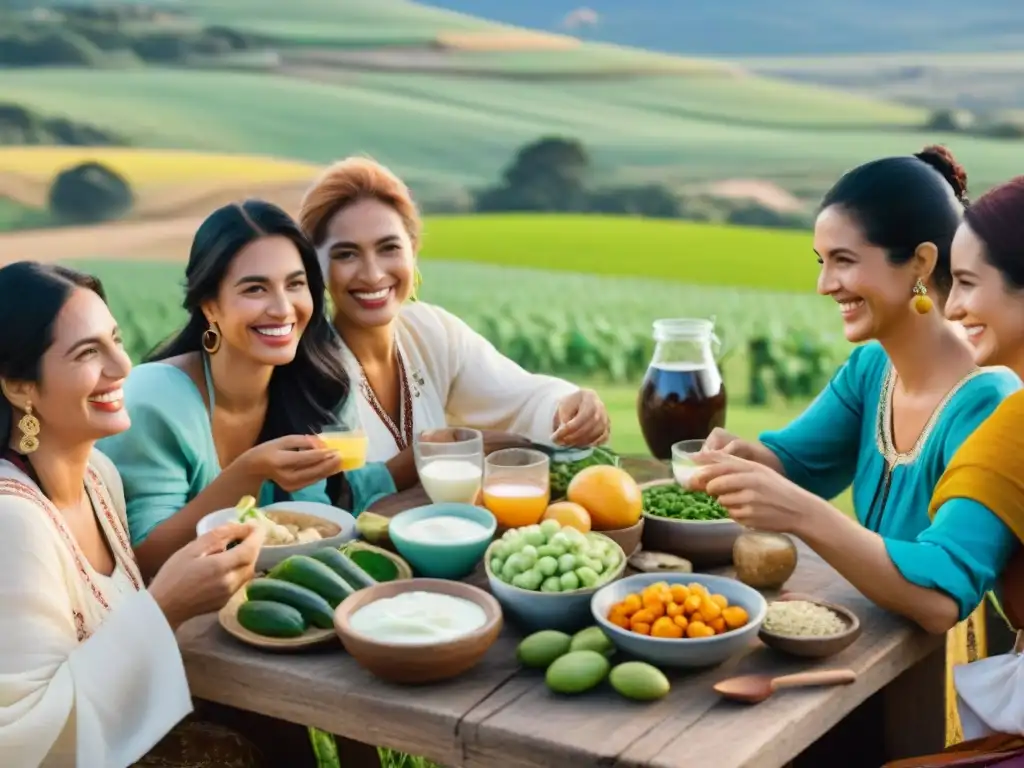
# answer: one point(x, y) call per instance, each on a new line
point(688, 524)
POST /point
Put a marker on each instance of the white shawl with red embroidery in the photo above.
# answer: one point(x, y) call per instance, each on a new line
point(90, 672)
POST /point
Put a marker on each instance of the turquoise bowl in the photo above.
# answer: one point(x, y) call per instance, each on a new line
point(442, 560)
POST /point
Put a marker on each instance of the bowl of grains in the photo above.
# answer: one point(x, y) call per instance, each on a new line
point(800, 625)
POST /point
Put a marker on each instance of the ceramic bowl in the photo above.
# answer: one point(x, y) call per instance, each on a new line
point(564, 611)
point(683, 652)
point(442, 560)
point(420, 663)
point(705, 543)
point(331, 520)
point(627, 538)
point(814, 647)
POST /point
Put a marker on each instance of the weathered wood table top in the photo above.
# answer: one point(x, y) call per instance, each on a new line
point(499, 715)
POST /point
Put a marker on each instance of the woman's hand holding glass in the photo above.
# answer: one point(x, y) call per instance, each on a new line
point(292, 462)
point(203, 575)
point(755, 495)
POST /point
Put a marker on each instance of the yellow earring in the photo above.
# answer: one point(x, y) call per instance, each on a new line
point(29, 426)
point(921, 303)
point(417, 281)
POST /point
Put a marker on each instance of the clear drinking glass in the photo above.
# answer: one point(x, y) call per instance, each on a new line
point(450, 463)
point(683, 464)
point(351, 443)
point(517, 486)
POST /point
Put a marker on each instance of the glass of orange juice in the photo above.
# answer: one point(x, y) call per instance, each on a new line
point(517, 486)
point(350, 443)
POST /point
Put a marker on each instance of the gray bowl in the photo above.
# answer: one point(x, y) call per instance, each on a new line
point(705, 543)
point(533, 611)
point(687, 651)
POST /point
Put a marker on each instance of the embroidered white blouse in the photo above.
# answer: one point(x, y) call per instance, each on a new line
point(90, 672)
point(456, 378)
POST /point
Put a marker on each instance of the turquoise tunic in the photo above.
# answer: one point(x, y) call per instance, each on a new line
point(845, 436)
point(168, 457)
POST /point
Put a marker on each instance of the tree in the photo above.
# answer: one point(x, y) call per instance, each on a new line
point(88, 194)
point(546, 175)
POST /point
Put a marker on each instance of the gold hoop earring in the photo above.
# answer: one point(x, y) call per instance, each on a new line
point(211, 339)
point(921, 303)
point(29, 426)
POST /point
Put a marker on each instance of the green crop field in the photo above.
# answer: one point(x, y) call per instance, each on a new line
point(462, 130)
point(682, 252)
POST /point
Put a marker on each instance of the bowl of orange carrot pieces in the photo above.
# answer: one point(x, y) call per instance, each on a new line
point(680, 619)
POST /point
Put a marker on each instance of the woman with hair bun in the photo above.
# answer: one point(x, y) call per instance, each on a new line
point(893, 415)
point(416, 366)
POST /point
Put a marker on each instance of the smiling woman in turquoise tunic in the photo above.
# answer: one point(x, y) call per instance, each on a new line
point(894, 414)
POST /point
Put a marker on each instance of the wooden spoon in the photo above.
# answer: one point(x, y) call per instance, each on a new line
point(754, 689)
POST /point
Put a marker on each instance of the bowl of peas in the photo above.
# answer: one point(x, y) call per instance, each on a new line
point(687, 523)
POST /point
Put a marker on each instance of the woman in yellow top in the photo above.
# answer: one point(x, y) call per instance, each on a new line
point(988, 300)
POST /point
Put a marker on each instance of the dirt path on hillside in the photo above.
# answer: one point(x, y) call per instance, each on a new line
point(168, 240)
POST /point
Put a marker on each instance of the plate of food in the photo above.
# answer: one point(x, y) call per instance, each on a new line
point(293, 606)
point(292, 527)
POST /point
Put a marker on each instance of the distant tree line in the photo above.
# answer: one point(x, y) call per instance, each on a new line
point(122, 34)
point(972, 124)
point(20, 125)
point(554, 175)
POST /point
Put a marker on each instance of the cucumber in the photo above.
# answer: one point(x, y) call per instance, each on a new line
point(344, 567)
point(314, 575)
point(314, 609)
point(271, 619)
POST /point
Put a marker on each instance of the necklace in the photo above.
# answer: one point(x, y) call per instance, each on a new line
point(403, 432)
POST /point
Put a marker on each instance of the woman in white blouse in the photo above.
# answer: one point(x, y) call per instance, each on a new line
point(420, 367)
point(90, 672)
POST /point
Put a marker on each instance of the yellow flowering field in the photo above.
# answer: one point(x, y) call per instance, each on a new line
point(144, 167)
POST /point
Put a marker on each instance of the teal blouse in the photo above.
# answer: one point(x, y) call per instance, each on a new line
point(168, 457)
point(845, 436)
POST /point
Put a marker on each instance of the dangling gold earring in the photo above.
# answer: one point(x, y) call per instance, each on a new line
point(417, 281)
point(921, 303)
point(211, 339)
point(29, 426)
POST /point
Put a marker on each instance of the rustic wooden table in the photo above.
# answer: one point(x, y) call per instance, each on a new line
point(500, 715)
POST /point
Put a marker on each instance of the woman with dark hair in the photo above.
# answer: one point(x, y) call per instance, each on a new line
point(90, 672)
point(895, 413)
point(229, 406)
point(987, 473)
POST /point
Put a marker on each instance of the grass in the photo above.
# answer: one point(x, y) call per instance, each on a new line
point(694, 253)
point(463, 131)
point(153, 166)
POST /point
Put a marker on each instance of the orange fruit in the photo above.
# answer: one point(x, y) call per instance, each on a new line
point(609, 494)
point(569, 514)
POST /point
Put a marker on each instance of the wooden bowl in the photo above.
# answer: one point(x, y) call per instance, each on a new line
point(421, 663)
point(628, 538)
point(814, 647)
point(705, 543)
point(228, 619)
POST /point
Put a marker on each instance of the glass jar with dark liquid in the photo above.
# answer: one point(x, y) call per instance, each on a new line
point(682, 396)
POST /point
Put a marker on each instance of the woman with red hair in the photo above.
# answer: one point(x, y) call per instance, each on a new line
point(418, 366)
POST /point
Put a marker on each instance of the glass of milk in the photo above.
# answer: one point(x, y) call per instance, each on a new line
point(450, 463)
point(683, 465)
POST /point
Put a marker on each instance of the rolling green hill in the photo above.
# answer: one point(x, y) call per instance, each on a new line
point(441, 131)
